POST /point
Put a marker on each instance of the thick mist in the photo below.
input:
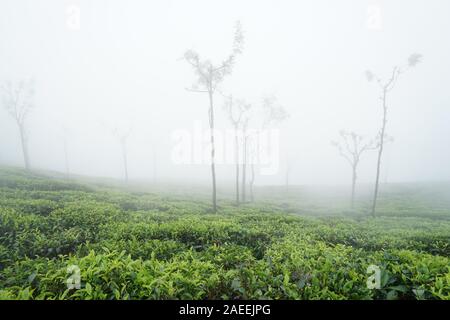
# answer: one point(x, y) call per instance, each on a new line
point(105, 68)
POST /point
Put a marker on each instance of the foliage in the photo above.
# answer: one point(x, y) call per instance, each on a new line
point(132, 245)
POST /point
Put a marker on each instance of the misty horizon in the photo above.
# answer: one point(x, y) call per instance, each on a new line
point(220, 156)
point(118, 70)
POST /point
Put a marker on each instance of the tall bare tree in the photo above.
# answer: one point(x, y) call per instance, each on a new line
point(351, 146)
point(252, 140)
point(272, 113)
point(386, 86)
point(154, 164)
point(18, 102)
point(66, 153)
point(122, 137)
point(245, 141)
point(236, 110)
point(287, 173)
point(209, 77)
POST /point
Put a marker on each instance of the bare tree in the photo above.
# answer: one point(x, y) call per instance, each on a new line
point(351, 146)
point(287, 174)
point(236, 109)
point(245, 141)
point(66, 153)
point(18, 101)
point(209, 77)
point(254, 145)
point(386, 86)
point(252, 174)
point(154, 164)
point(273, 114)
point(122, 137)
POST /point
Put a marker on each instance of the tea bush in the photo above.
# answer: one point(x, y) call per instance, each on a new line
point(138, 245)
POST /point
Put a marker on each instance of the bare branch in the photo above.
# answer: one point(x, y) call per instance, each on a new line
point(414, 59)
point(195, 90)
point(352, 145)
point(209, 75)
point(17, 99)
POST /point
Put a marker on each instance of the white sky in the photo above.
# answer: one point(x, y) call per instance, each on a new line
point(123, 66)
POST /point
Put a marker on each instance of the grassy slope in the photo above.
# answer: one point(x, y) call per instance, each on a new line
point(300, 244)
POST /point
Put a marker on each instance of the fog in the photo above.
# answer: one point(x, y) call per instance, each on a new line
point(122, 67)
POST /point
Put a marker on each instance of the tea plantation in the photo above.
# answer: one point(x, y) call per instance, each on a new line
point(136, 244)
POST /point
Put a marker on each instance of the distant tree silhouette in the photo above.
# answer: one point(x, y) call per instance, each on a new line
point(386, 86)
point(236, 110)
point(17, 99)
point(351, 146)
point(122, 136)
point(209, 77)
point(66, 152)
point(272, 114)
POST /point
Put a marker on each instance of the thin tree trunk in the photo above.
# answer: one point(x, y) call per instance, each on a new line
point(23, 141)
point(287, 180)
point(244, 165)
point(380, 152)
point(66, 159)
point(154, 165)
point(236, 141)
point(125, 162)
point(213, 166)
point(252, 181)
point(255, 158)
point(353, 186)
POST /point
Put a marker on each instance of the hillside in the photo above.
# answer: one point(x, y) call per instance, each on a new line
point(138, 243)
